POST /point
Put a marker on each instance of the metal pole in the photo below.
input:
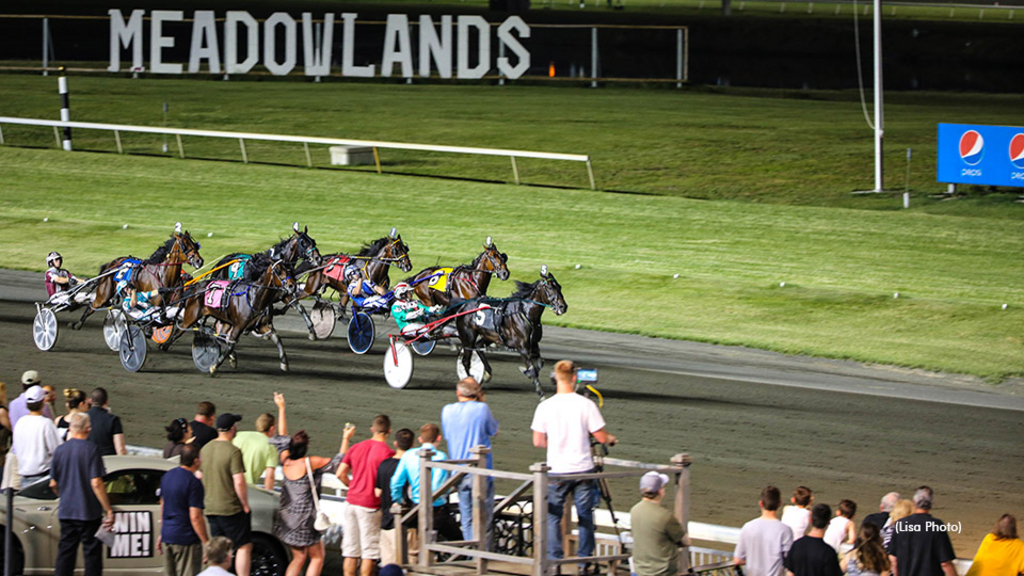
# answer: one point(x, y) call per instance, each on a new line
point(481, 515)
point(46, 46)
point(686, 54)
point(501, 54)
point(593, 57)
point(426, 509)
point(515, 169)
point(679, 58)
point(540, 518)
point(682, 504)
point(245, 157)
point(879, 115)
point(65, 107)
point(309, 159)
point(590, 173)
point(117, 138)
point(181, 149)
point(376, 159)
point(1, 135)
point(9, 534)
point(165, 126)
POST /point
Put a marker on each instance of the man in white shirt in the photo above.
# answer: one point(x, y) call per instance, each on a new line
point(765, 541)
point(35, 439)
point(564, 424)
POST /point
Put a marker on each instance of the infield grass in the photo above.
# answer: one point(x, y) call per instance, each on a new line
point(841, 266)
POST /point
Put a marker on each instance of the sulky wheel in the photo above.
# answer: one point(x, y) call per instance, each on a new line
point(476, 367)
point(397, 364)
point(113, 325)
point(361, 333)
point(323, 317)
point(132, 349)
point(423, 346)
point(205, 351)
point(44, 329)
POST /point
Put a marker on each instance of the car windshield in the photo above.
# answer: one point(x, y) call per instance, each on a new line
point(38, 491)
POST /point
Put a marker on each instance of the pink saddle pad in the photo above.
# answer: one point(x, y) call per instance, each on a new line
point(336, 268)
point(215, 293)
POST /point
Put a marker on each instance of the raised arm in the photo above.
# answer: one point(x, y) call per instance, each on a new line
point(282, 422)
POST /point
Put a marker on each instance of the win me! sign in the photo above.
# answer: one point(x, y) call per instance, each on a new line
point(133, 535)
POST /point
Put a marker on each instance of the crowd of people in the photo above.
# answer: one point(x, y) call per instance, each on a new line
point(206, 516)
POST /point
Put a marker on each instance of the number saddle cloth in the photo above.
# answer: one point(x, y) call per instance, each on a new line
point(125, 273)
point(335, 269)
point(218, 294)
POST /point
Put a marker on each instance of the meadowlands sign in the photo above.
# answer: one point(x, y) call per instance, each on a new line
point(274, 43)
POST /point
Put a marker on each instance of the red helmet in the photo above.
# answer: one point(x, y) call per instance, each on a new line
point(402, 290)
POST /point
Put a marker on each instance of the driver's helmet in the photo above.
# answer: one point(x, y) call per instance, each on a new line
point(351, 273)
point(403, 290)
point(53, 256)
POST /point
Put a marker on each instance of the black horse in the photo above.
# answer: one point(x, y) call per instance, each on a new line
point(513, 323)
point(298, 246)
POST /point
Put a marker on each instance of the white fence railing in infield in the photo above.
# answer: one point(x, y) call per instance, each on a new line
point(304, 140)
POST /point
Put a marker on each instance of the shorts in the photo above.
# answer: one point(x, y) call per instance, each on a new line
point(361, 527)
point(237, 528)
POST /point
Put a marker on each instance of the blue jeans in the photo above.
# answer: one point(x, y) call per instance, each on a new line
point(466, 508)
point(586, 496)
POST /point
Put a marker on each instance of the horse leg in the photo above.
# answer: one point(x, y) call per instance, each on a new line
point(487, 367)
point(269, 329)
point(307, 319)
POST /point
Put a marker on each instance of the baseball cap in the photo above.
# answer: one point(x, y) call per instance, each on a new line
point(30, 378)
point(391, 570)
point(35, 394)
point(652, 482)
point(226, 421)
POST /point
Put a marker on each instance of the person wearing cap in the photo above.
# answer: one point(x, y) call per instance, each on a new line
point(35, 439)
point(227, 498)
point(363, 291)
point(107, 432)
point(18, 407)
point(57, 279)
point(657, 534)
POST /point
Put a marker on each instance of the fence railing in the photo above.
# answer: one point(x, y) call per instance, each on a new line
point(242, 137)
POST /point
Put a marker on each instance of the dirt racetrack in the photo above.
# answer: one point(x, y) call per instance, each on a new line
point(749, 418)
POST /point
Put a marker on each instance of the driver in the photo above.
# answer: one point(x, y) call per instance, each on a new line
point(363, 292)
point(58, 279)
point(138, 304)
point(405, 310)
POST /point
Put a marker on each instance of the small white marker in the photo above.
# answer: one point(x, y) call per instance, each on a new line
point(895, 295)
point(782, 284)
point(46, 219)
point(577, 266)
point(209, 234)
point(1004, 306)
point(125, 227)
point(675, 275)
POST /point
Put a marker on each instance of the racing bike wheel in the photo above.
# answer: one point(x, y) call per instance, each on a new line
point(323, 317)
point(361, 333)
point(133, 349)
point(113, 325)
point(423, 346)
point(44, 329)
point(205, 351)
point(397, 364)
point(476, 367)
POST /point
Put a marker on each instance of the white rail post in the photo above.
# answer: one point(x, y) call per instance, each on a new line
point(46, 46)
point(56, 136)
point(117, 138)
point(181, 149)
point(481, 515)
point(376, 160)
point(515, 169)
point(65, 107)
point(593, 57)
point(309, 159)
point(540, 518)
point(590, 173)
point(682, 503)
point(501, 54)
point(241, 144)
point(426, 509)
point(1, 135)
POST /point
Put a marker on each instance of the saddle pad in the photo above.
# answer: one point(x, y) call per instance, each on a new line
point(236, 270)
point(439, 279)
point(335, 269)
point(485, 318)
point(124, 273)
point(216, 292)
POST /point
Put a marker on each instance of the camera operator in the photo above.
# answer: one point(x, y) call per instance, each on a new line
point(564, 424)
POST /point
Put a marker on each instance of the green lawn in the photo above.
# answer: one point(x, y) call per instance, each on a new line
point(841, 266)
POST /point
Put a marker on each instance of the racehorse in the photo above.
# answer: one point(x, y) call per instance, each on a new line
point(513, 323)
point(375, 258)
point(290, 250)
point(248, 304)
point(161, 270)
point(466, 282)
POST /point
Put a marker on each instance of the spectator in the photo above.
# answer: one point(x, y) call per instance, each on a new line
point(405, 484)
point(5, 425)
point(920, 545)
point(294, 522)
point(202, 425)
point(258, 454)
point(811, 556)
point(869, 557)
point(77, 477)
point(884, 508)
point(842, 530)
point(361, 522)
point(107, 432)
point(468, 423)
point(765, 541)
point(564, 424)
point(182, 528)
point(179, 435)
point(35, 439)
point(217, 553)
point(798, 515)
point(657, 534)
point(227, 497)
point(18, 406)
point(77, 403)
point(386, 470)
point(391, 569)
point(901, 510)
point(1001, 552)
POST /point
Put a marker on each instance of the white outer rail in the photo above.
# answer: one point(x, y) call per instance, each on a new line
point(306, 140)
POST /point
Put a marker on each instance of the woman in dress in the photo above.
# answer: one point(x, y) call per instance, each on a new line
point(296, 515)
point(868, 558)
point(179, 433)
point(77, 403)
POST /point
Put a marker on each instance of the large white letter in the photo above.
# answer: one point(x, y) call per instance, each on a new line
point(252, 36)
point(317, 59)
point(348, 47)
point(270, 44)
point(126, 35)
point(505, 37)
point(397, 29)
point(483, 47)
point(204, 42)
point(431, 47)
point(157, 42)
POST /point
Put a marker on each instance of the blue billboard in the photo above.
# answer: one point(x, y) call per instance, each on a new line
point(977, 154)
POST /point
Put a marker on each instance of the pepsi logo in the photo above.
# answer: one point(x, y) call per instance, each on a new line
point(1017, 151)
point(972, 147)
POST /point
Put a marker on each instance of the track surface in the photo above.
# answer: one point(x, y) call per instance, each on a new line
point(749, 418)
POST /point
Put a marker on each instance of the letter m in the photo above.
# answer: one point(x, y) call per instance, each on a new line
point(125, 34)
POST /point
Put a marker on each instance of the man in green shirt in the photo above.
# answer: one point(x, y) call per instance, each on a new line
point(227, 496)
point(657, 535)
point(257, 453)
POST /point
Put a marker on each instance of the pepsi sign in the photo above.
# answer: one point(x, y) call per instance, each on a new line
point(976, 154)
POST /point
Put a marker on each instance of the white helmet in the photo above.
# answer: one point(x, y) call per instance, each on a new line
point(53, 256)
point(351, 272)
point(402, 290)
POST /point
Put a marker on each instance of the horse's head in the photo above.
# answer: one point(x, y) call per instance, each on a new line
point(306, 246)
point(398, 252)
point(548, 291)
point(281, 276)
point(493, 261)
point(188, 246)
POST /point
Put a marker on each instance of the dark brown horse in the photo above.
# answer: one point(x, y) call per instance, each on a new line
point(248, 303)
point(374, 259)
point(513, 323)
point(463, 281)
point(290, 250)
point(161, 270)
